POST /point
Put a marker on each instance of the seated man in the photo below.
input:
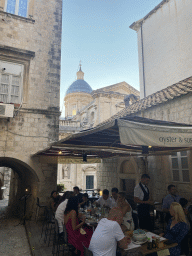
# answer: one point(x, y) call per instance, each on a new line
point(107, 234)
point(169, 199)
point(104, 201)
point(78, 194)
point(86, 202)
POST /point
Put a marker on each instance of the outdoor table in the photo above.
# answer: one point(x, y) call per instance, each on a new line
point(142, 250)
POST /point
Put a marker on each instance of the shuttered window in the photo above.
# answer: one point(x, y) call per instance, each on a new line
point(11, 79)
point(180, 168)
point(89, 182)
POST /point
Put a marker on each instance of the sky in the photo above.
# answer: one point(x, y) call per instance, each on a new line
point(97, 33)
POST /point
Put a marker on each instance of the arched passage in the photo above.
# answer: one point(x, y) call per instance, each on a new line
point(23, 181)
point(128, 176)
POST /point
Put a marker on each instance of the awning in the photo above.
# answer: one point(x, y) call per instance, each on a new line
point(146, 134)
point(127, 136)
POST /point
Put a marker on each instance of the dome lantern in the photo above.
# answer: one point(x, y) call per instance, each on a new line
point(80, 74)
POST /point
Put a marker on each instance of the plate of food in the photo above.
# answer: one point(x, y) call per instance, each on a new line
point(140, 241)
point(139, 236)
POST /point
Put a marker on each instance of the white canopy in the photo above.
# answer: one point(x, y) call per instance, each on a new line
point(135, 133)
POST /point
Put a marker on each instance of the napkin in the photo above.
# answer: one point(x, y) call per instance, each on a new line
point(132, 246)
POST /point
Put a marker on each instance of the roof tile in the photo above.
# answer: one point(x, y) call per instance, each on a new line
point(181, 88)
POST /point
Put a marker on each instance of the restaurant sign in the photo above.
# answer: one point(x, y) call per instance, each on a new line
point(134, 133)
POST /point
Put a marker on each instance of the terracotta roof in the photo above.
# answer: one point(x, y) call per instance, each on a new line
point(171, 92)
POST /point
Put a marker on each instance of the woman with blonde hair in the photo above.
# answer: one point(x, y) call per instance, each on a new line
point(177, 227)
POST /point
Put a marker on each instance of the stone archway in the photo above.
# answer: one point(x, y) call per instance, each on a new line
point(24, 180)
point(128, 176)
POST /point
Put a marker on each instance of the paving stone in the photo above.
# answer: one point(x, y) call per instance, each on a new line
point(13, 239)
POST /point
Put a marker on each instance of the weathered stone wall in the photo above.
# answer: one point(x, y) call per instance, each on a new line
point(177, 110)
point(5, 176)
point(36, 43)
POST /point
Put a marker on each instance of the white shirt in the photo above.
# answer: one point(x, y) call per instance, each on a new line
point(105, 238)
point(103, 202)
point(59, 215)
point(138, 192)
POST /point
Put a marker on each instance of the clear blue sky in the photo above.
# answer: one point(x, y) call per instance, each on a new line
point(97, 33)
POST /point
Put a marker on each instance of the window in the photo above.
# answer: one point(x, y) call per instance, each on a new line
point(180, 169)
point(11, 81)
point(89, 182)
point(18, 7)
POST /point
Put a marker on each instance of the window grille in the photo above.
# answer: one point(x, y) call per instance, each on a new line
point(180, 168)
point(11, 83)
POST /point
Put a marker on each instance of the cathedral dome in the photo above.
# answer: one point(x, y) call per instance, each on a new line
point(79, 85)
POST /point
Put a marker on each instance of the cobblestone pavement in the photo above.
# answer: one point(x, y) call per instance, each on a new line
point(13, 239)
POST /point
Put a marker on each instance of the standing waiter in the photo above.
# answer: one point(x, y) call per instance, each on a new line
point(141, 197)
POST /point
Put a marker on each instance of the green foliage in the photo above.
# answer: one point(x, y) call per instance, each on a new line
point(60, 188)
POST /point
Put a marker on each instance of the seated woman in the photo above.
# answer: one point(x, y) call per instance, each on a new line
point(53, 203)
point(76, 236)
point(126, 210)
point(59, 214)
point(177, 228)
point(85, 202)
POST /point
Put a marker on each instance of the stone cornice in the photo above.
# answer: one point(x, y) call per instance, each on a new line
point(108, 95)
point(50, 111)
point(10, 15)
point(7, 50)
point(77, 94)
point(118, 85)
point(137, 24)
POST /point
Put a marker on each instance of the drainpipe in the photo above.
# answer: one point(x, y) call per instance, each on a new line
point(142, 48)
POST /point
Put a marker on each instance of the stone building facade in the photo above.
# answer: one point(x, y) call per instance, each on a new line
point(165, 75)
point(101, 104)
point(30, 53)
point(171, 104)
point(165, 64)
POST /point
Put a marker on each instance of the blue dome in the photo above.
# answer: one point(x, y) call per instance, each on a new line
point(79, 86)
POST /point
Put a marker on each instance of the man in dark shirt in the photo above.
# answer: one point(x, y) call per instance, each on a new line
point(169, 199)
point(78, 194)
point(141, 197)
